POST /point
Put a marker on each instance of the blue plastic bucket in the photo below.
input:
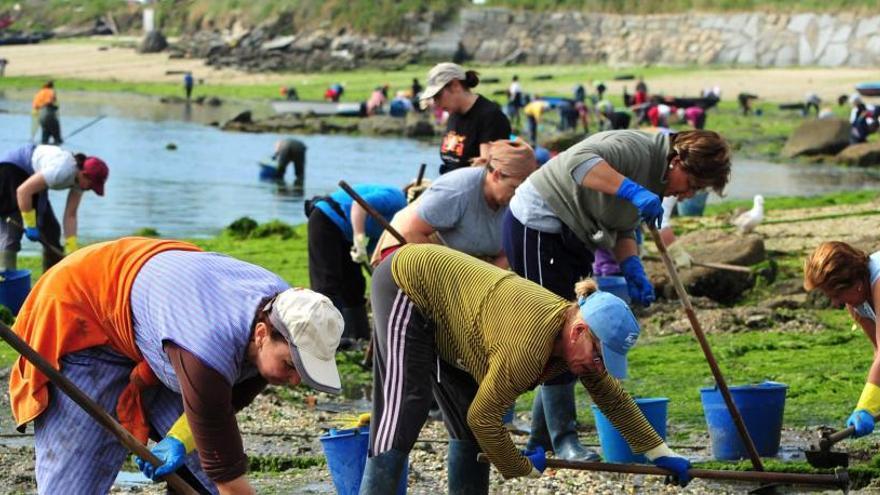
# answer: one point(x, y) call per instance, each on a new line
point(693, 207)
point(614, 446)
point(268, 172)
point(615, 285)
point(346, 452)
point(761, 406)
point(14, 288)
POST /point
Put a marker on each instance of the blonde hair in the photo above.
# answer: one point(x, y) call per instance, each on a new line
point(513, 158)
point(835, 266)
point(584, 287)
point(705, 155)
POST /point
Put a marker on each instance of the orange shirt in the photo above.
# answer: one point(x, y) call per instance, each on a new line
point(83, 302)
point(45, 96)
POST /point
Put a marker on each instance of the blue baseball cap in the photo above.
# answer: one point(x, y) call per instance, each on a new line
point(613, 323)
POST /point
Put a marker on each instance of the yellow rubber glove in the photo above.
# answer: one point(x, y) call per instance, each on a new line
point(70, 244)
point(180, 431)
point(29, 218)
point(870, 399)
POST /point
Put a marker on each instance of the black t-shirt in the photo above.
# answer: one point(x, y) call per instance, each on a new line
point(483, 123)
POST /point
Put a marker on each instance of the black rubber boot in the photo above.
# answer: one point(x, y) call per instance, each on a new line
point(466, 475)
point(538, 435)
point(560, 414)
point(382, 473)
point(357, 324)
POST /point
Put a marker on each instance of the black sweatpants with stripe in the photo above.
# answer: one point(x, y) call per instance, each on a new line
point(407, 371)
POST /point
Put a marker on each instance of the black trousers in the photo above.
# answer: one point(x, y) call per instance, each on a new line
point(10, 235)
point(331, 270)
point(408, 374)
point(553, 261)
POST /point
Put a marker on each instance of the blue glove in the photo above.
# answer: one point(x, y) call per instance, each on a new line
point(649, 204)
point(32, 233)
point(170, 451)
point(537, 457)
point(640, 288)
point(679, 467)
point(862, 421)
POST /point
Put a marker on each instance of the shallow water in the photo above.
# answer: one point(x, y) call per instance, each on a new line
point(211, 179)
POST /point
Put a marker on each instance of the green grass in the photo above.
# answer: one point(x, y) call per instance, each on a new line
point(795, 202)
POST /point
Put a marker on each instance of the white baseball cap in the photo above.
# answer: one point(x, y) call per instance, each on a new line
point(439, 76)
point(312, 327)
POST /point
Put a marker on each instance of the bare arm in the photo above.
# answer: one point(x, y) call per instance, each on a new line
point(237, 486)
point(25, 192)
point(358, 218)
point(501, 260)
point(414, 229)
point(625, 247)
point(73, 199)
point(603, 178)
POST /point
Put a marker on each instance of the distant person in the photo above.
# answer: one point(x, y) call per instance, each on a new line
point(45, 107)
point(611, 119)
point(400, 105)
point(641, 95)
point(600, 89)
point(694, 116)
point(334, 92)
point(341, 236)
point(580, 94)
point(289, 151)
point(534, 110)
point(26, 175)
point(745, 102)
point(862, 119)
point(473, 122)
point(811, 100)
point(659, 114)
point(3, 64)
point(289, 93)
point(416, 91)
point(376, 101)
point(514, 102)
point(188, 84)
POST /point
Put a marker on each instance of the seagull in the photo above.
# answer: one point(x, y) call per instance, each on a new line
point(747, 221)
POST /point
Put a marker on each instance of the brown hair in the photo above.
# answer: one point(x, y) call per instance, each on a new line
point(835, 266)
point(471, 79)
point(262, 316)
point(513, 158)
point(705, 155)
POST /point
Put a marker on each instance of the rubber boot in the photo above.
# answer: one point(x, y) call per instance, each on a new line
point(51, 257)
point(8, 260)
point(466, 475)
point(538, 436)
point(357, 324)
point(560, 414)
point(382, 473)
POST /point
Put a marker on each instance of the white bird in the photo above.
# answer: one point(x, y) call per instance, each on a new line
point(746, 222)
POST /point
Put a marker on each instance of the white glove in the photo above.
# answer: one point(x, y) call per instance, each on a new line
point(359, 249)
point(680, 258)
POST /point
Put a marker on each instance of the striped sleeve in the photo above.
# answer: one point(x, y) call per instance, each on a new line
point(619, 407)
point(497, 392)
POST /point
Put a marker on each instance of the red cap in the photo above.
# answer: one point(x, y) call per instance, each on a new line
point(96, 170)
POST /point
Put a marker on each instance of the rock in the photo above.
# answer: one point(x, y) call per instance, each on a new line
point(381, 125)
point(172, 99)
point(242, 118)
point(213, 101)
point(153, 42)
point(171, 146)
point(418, 125)
point(820, 136)
point(719, 247)
point(861, 154)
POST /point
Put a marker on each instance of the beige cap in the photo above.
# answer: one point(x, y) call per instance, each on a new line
point(439, 76)
point(515, 158)
point(312, 327)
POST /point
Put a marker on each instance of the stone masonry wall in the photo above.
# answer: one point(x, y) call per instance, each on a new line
point(749, 39)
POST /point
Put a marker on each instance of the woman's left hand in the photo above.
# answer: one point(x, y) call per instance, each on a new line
point(640, 288)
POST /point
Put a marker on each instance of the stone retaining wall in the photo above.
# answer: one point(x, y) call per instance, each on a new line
point(748, 39)
point(498, 35)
